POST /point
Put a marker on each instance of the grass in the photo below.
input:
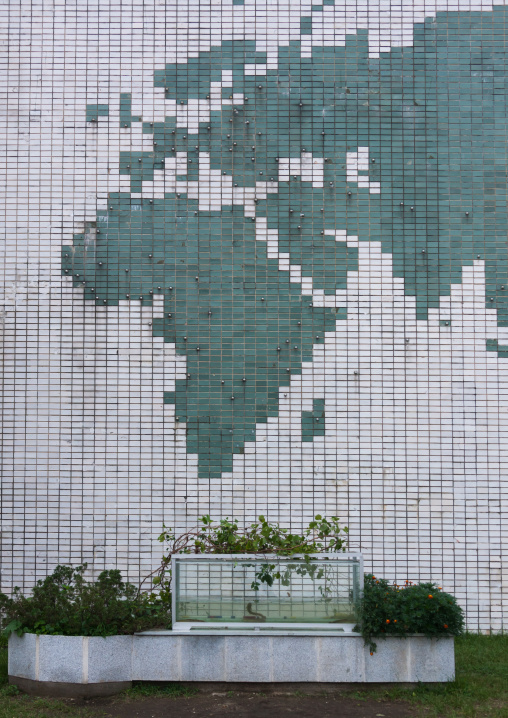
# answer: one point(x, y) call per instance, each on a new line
point(480, 689)
point(145, 689)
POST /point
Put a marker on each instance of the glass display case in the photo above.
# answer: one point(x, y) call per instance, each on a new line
point(266, 593)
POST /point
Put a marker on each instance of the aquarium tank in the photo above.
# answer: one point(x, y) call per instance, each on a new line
point(266, 593)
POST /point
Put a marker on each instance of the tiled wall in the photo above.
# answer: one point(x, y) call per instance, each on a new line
point(256, 261)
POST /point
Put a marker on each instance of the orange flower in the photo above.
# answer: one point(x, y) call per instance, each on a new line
point(445, 625)
point(371, 653)
point(439, 588)
point(374, 577)
point(430, 595)
point(395, 620)
point(388, 620)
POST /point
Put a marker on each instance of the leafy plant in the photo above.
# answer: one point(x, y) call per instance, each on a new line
point(261, 537)
point(65, 603)
point(398, 610)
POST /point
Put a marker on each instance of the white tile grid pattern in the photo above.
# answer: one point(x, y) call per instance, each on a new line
point(92, 463)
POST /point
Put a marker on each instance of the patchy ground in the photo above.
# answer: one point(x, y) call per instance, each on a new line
point(251, 705)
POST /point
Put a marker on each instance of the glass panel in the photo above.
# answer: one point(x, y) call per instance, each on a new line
point(259, 590)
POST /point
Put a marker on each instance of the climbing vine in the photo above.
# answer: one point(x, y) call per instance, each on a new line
point(260, 537)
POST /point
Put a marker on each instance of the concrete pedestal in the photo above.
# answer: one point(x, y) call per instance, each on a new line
point(81, 666)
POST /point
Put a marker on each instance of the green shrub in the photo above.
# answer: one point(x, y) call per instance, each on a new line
point(399, 610)
point(65, 603)
point(261, 537)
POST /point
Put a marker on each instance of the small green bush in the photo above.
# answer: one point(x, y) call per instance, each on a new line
point(66, 604)
point(400, 610)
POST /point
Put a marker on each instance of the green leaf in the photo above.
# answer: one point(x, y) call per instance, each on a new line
point(13, 627)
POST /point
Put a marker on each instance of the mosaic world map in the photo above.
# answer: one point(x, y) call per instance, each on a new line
point(247, 240)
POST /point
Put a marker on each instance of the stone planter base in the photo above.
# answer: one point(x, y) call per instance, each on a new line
point(79, 666)
point(70, 666)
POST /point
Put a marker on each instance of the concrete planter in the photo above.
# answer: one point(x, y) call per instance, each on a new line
point(70, 666)
point(80, 666)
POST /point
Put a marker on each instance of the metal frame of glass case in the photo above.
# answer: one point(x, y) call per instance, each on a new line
point(313, 593)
